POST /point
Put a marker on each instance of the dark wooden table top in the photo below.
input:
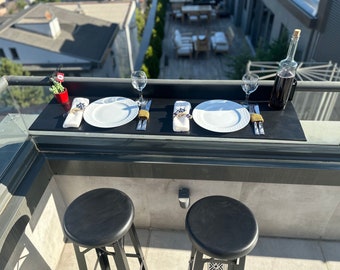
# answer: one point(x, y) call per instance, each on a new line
point(222, 227)
point(99, 217)
point(279, 125)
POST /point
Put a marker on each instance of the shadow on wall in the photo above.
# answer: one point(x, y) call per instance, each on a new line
point(18, 249)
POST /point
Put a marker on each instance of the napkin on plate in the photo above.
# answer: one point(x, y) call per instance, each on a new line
point(181, 116)
point(75, 115)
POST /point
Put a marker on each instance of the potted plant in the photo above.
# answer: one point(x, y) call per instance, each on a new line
point(59, 91)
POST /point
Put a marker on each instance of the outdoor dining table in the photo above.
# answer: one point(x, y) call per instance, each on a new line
point(197, 9)
point(279, 125)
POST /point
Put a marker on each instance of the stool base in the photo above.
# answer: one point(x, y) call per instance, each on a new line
point(119, 255)
point(197, 261)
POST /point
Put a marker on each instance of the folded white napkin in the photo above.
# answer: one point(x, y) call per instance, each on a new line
point(181, 116)
point(75, 115)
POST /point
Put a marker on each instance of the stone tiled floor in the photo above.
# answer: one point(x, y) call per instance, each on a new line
point(170, 250)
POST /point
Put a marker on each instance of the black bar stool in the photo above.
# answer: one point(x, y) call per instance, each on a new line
point(101, 218)
point(221, 230)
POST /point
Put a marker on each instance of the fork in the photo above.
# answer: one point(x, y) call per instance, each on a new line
point(256, 127)
point(140, 121)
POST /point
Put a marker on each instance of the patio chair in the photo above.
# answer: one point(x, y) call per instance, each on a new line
point(204, 16)
point(214, 12)
point(183, 44)
point(177, 14)
point(230, 35)
point(184, 37)
point(219, 43)
point(193, 17)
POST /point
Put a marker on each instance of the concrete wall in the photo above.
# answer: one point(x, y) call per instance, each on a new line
point(283, 210)
point(42, 242)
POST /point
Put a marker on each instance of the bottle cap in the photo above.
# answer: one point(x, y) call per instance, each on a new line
point(297, 33)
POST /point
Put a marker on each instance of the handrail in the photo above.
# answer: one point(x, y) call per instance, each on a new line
point(303, 86)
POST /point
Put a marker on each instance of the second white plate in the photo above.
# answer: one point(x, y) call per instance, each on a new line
point(221, 115)
point(111, 112)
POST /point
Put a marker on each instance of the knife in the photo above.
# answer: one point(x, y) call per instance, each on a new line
point(252, 111)
point(143, 122)
point(260, 124)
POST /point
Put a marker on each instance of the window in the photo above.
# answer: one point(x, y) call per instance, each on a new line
point(310, 6)
point(14, 53)
point(2, 53)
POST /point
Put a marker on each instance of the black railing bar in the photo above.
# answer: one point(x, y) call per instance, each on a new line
point(302, 86)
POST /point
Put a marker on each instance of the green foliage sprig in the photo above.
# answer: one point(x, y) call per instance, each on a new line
point(56, 87)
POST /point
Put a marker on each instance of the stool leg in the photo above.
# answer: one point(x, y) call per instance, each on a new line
point(198, 262)
point(241, 262)
point(137, 246)
point(102, 258)
point(192, 255)
point(80, 257)
point(120, 257)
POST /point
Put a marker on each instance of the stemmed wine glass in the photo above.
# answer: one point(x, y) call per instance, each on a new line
point(250, 84)
point(139, 81)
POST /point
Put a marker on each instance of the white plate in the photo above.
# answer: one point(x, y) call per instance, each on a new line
point(221, 115)
point(111, 112)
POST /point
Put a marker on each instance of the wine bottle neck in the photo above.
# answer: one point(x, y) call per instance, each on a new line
point(292, 48)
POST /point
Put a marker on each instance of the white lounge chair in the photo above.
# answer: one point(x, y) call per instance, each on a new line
point(219, 42)
point(183, 44)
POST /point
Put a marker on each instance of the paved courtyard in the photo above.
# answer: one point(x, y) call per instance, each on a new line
point(207, 67)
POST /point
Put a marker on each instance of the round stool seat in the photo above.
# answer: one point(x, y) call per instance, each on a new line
point(98, 217)
point(221, 227)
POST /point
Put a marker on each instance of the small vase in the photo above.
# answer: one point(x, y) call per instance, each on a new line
point(62, 97)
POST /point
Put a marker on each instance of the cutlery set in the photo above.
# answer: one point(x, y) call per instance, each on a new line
point(257, 119)
point(144, 116)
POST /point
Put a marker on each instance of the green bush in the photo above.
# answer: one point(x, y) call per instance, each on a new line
point(140, 22)
point(275, 51)
point(154, 51)
point(152, 62)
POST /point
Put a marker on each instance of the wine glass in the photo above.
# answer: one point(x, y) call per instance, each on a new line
point(250, 84)
point(139, 81)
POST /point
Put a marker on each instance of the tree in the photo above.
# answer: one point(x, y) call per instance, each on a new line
point(140, 21)
point(239, 64)
point(275, 51)
point(23, 96)
point(7, 67)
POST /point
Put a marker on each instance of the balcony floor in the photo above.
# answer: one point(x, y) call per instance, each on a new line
point(170, 250)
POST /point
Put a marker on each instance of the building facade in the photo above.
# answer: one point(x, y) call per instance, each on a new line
point(265, 20)
point(91, 39)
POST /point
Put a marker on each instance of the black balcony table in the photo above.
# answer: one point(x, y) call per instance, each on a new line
point(279, 125)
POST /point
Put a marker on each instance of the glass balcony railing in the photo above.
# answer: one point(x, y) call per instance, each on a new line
point(317, 105)
point(22, 99)
point(42, 170)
